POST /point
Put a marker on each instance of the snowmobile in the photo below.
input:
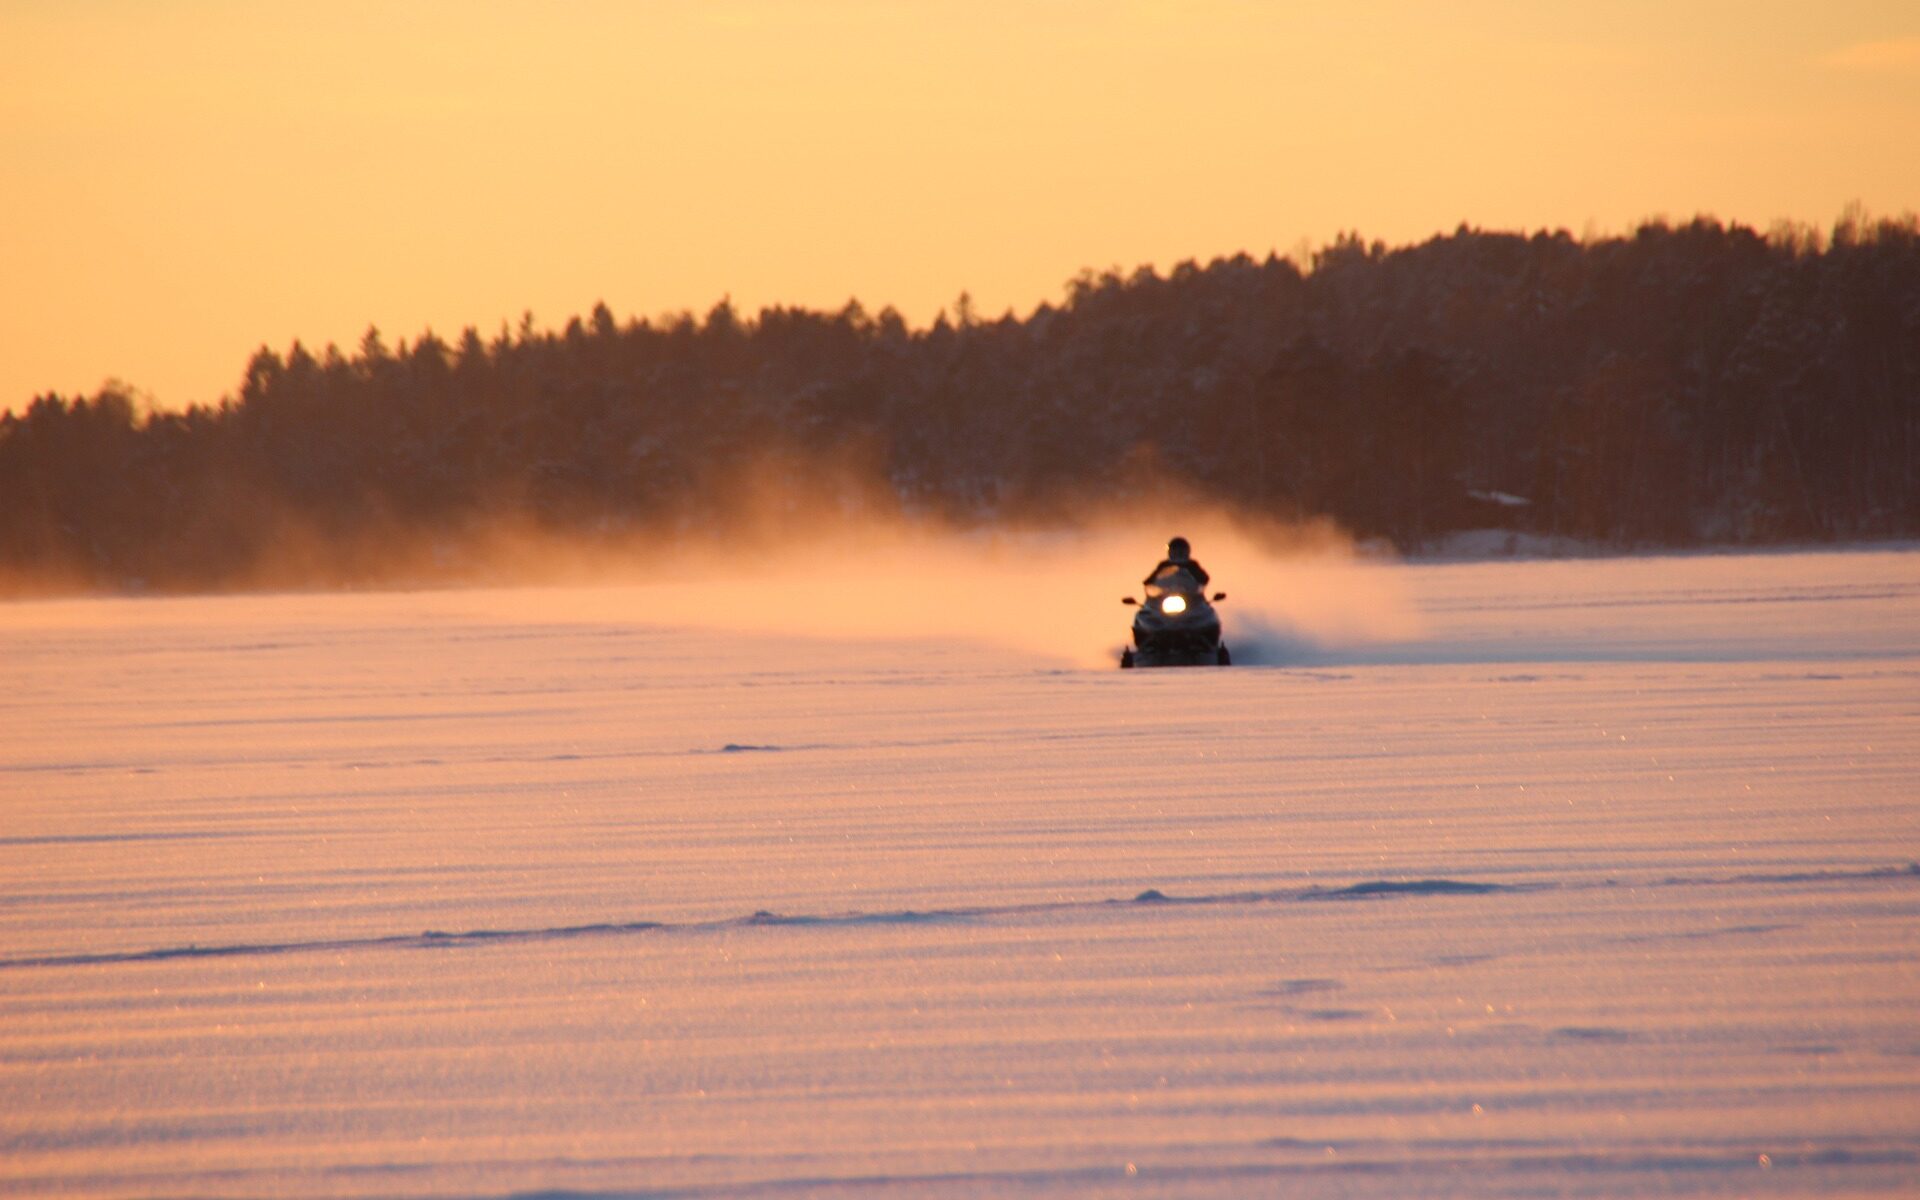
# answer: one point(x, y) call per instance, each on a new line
point(1177, 626)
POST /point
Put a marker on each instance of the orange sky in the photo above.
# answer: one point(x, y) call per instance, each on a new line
point(181, 182)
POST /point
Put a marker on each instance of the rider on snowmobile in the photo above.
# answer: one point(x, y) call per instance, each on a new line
point(1180, 558)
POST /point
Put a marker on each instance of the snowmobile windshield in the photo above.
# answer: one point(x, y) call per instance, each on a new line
point(1170, 579)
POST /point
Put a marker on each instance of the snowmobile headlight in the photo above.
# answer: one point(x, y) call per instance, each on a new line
point(1173, 606)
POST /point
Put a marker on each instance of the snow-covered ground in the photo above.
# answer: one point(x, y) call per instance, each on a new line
point(1546, 878)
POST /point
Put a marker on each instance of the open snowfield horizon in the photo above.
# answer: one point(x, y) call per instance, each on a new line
point(1582, 878)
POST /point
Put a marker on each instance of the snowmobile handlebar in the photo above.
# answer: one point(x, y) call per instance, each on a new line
point(1129, 600)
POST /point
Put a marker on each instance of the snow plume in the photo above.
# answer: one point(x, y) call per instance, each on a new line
point(1055, 593)
point(821, 544)
point(805, 551)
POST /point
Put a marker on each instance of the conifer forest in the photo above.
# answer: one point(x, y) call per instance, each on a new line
point(1681, 385)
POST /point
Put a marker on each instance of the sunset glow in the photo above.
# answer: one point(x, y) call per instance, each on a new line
point(182, 183)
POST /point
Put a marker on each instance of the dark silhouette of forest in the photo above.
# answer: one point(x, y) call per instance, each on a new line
point(1681, 385)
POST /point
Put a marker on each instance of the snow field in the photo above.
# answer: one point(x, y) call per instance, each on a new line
point(1593, 879)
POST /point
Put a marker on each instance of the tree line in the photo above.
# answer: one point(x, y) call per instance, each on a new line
point(1675, 386)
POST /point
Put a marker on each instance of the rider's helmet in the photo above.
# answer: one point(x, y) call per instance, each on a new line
point(1178, 550)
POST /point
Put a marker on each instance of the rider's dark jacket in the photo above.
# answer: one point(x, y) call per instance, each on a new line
point(1188, 565)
